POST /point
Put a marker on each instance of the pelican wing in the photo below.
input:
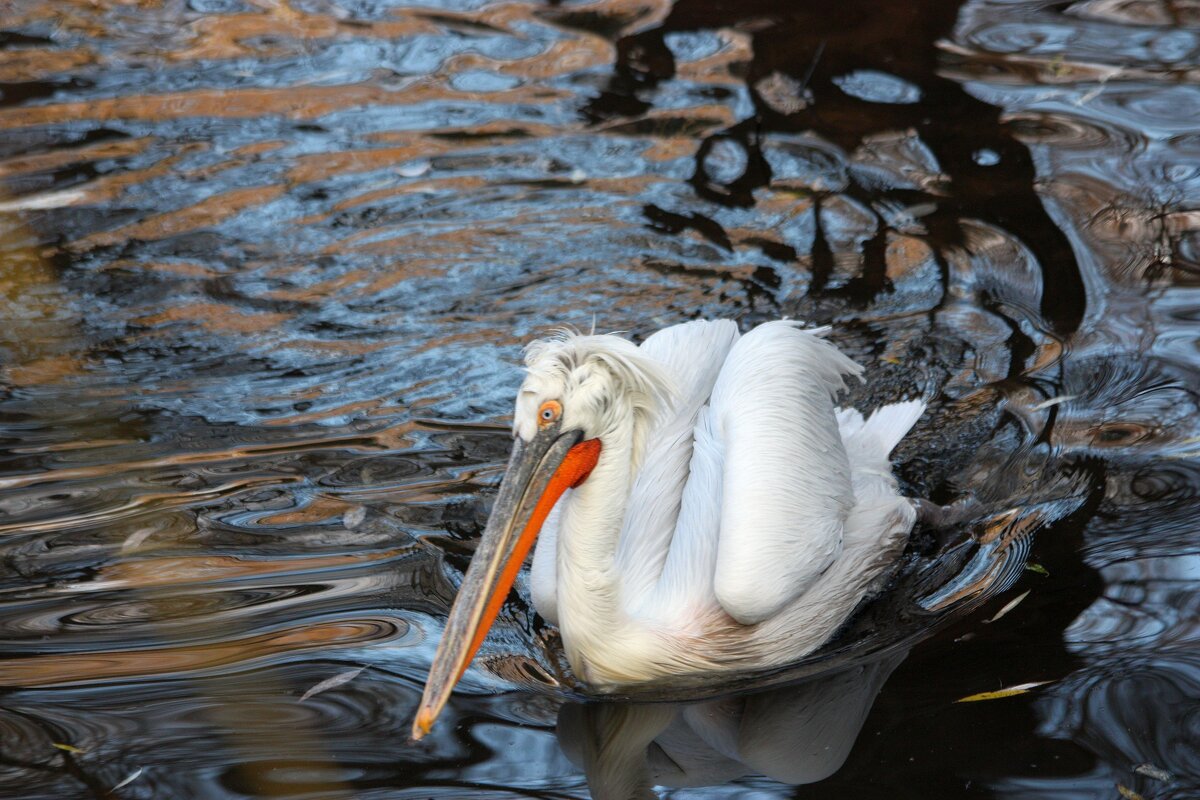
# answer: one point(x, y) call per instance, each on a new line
point(786, 488)
point(691, 355)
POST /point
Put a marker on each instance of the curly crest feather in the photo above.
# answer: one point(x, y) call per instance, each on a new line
point(602, 381)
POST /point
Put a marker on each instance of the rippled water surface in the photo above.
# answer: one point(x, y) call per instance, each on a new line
point(265, 271)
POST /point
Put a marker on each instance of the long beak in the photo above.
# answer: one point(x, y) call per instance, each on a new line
point(539, 471)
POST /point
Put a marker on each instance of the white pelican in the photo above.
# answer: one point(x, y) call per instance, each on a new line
point(715, 510)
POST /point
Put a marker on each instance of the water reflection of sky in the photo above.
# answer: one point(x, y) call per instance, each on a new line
point(267, 269)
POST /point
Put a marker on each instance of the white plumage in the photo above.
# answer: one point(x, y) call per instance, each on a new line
point(735, 517)
point(703, 505)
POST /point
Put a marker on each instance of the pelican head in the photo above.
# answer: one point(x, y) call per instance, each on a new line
point(580, 392)
point(602, 384)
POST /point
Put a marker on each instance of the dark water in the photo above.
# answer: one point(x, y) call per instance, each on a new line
point(266, 268)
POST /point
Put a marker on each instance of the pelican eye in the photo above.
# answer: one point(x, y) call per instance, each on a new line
point(549, 412)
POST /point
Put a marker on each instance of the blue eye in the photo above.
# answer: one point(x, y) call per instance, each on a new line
point(549, 412)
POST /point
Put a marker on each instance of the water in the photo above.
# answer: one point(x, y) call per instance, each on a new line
point(266, 269)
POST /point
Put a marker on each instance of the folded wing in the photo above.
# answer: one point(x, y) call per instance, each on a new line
point(786, 489)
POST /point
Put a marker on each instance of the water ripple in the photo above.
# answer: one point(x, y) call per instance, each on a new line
point(266, 270)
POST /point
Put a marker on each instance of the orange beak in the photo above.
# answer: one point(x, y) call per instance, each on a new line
point(539, 471)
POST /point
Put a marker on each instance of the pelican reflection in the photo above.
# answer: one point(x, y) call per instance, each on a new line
point(795, 734)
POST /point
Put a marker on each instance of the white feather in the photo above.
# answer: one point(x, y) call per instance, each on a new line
point(543, 572)
point(734, 518)
point(787, 478)
point(691, 355)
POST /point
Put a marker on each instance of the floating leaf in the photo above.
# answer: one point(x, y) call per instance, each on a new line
point(70, 748)
point(1151, 771)
point(783, 93)
point(1033, 566)
point(414, 169)
point(1053, 401)
point(1129, 794)
point(1008, 691)
point(133, 776)
point(332, 683)
point(354, 517)
point(135, 540)
point(1009, 606)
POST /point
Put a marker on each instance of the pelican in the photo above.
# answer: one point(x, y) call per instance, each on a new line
point(704, 506)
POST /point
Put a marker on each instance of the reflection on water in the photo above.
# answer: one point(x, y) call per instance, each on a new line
point(797, 734)
point(265, 268)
